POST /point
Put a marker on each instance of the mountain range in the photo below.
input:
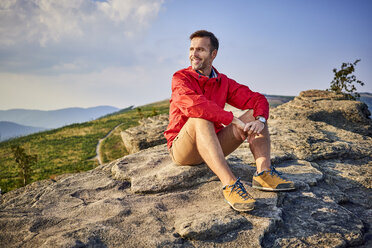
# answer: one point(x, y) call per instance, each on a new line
point(10, 130)
point(18, 122)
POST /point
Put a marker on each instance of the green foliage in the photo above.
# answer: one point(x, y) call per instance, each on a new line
point(24, 162)
point(113, 148)
point(139, 112)
point(344, 80)
point(154, 112)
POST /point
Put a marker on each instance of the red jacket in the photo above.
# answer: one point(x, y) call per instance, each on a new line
point(194, 95)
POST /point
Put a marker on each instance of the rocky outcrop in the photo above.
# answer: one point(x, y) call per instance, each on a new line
point(144, 200)
point(327, 107)
point(148, 134)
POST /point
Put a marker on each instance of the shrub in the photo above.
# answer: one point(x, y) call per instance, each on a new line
point(344, 80)
point(24, 162)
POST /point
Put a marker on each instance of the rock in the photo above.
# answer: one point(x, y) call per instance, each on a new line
point(315, 220)
point(321, 125)
point(152, 171)
point(321, 95)
point(144, 200)
point(327, 107)
point(148, 134)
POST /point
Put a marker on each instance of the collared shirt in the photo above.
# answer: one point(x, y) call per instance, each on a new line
point(212, 75)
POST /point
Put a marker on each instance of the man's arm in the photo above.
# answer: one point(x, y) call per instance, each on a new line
point(241, 97)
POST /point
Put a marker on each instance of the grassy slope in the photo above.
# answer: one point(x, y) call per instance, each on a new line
point(69, 149)
point(113, 148)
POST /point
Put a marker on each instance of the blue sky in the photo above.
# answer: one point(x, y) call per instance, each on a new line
point(81, 53)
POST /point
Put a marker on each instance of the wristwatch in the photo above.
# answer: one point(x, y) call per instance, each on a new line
point(261, 119)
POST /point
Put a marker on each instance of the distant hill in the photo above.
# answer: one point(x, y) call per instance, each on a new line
point(54, 118)
point(10, 130)
point(276, 100)
point(366, 97)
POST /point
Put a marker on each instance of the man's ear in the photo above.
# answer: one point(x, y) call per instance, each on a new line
point(214, 53)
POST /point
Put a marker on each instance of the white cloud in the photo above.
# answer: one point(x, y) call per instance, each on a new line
point(119, 11)
point(49, 37)
point(134, 15)
point(50, 21)
point(42, 21)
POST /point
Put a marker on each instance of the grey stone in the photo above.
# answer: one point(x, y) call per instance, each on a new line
point(148, 134)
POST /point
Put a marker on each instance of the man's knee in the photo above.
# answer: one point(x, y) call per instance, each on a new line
point(198, 121)
point(196, 124)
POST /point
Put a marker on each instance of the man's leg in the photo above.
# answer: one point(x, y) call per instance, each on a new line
point(266, 177)
point(260, 147)
point(198, 138)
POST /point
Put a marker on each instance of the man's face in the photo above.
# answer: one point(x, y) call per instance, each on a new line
point(200, 56)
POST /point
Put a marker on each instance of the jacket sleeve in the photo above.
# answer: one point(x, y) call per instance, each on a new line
point(192, 104)
point(240, 96)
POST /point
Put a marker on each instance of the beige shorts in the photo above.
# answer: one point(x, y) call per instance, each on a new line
point(183, 150)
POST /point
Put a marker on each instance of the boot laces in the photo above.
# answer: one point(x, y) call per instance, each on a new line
point(274, 172)
point(239, 188)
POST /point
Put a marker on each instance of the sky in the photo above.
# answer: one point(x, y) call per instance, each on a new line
point(85, 53)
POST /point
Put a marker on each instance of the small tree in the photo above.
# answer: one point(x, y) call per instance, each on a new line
point(154, 112)
point(139, 112)
point(344, 80)
point(24, 162)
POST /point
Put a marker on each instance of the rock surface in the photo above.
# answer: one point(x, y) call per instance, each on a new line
point(320, 141)
point(148, 134)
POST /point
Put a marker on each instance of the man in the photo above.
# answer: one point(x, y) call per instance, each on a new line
point(196, 134)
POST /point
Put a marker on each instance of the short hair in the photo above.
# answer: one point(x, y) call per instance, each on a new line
point(205, 33)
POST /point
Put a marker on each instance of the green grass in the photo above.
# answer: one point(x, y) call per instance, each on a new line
point(113, 148)
point(71, 148)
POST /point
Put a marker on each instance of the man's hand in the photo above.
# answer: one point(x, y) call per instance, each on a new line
point(248, 130)
point(253, 128)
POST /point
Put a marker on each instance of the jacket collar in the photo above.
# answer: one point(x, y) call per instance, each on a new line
point(197, 75)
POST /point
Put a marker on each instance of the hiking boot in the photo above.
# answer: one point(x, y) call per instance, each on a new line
point(237, 197)
point(271, 181)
